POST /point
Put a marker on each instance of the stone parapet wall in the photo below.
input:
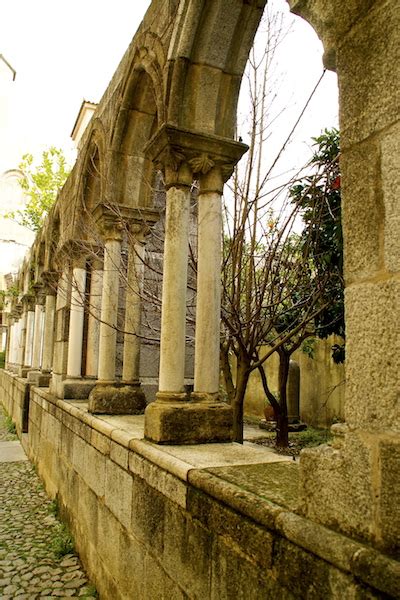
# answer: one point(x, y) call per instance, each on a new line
point(214, 521)
point(14, 395)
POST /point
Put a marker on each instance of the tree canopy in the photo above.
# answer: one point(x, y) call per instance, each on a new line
point(41, 184)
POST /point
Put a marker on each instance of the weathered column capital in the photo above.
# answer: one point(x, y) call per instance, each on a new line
point(28, 302)
point(185, 155)
point(39, 293)
point(331, 20)
point(50, 282)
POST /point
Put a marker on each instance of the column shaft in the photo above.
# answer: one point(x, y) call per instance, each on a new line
point(22, 340)
point(77, 313)
point(173, 318)
point(109, 311)
point(48, 337)
point(92, 354)
point(29, 338)
point(208, 303)
point(37, 337)
point(131, 359)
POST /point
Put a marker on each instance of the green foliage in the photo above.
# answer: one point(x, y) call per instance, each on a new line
point(308, 347)
point(63, 542)
point(319, 198)
point(54, 508)
point(2, 359)
point(10, 425)
point(313, 437)
point(41, 185)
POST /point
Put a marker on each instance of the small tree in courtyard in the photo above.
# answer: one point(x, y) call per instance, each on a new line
point(41, 183)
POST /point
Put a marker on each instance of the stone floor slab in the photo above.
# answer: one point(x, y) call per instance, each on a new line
point(11, 452)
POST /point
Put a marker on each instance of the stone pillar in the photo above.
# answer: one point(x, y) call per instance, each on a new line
point(8, 342)
point(37, 329)
point(353, 485)
point(101, 399)
point(75, 386)
point(42, 378)
point(76, 321)
point(132, 341)
point(174, 418)
point(21, 344)
point(208, 302)
point(61, 328)
point(96, 285)
point(30, 323)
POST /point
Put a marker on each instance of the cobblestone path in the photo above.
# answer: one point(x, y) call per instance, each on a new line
point(32, 538)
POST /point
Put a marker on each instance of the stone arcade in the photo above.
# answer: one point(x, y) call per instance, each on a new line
point(212, 520)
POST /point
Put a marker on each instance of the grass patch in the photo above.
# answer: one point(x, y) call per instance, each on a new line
point(54, 508)
point(63, 542)
point(10, 425)
point(89, 592)
point(297, 441)
point(313, 437)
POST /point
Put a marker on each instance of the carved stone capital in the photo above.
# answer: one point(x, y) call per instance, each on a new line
point(114, 219)
point(50, 282)
point(28, 302)
point(185, 154)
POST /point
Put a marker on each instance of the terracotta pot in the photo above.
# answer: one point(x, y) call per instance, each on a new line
point(269, 412)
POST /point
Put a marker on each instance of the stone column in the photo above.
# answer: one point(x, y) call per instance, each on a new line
point(133, 305)
point(76, 321)
point(37, 329)
point(21, 344)
point(29, 335)
point(61, 328)
point(353, 485)
point(208, 302)
point(8, 342)
point(42, 378)
point(174, 418)
point(102, 396)
point(96, 285)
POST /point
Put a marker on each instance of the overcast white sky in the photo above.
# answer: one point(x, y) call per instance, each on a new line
point(66, 51)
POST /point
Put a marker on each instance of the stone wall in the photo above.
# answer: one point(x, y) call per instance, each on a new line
point(204, 522)
point(322, 386)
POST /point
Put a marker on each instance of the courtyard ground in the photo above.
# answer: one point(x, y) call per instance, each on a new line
point(36, 552)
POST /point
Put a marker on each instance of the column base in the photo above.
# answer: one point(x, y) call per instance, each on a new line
point(173, 419)
point(77, 389)
point(39, 379)
point(23, 372)
point(114, 398)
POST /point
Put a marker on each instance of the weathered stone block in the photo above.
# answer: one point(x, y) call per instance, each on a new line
point(77, 389)
point(233, 576)
point(336, 487)
point(234, 528)
point(116, 399)
point(101, 442)
point(368, 65)
point(389, 506)
point(373, 356)
point(188, 422)
point(118, 493)
point(130, 575)
point(362, 210)
point(187, 544)
point(390, 161)
point(170, 486)
point(148, 516)
point(119, 455)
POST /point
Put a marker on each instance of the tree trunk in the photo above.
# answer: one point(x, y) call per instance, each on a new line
point(242, 377)
point(282, 428)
